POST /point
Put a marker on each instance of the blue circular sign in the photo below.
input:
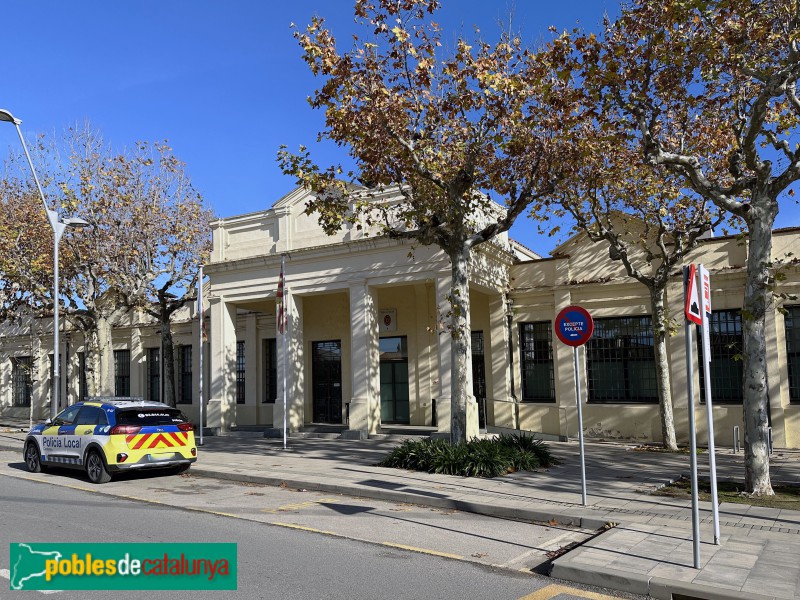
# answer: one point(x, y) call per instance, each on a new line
point(574, 326)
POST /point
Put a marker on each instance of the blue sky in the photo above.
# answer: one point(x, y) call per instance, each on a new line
point(223, 82)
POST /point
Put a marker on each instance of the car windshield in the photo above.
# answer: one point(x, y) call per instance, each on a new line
point(150, 416)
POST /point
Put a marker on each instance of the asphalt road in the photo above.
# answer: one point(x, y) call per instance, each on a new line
point(283, 551)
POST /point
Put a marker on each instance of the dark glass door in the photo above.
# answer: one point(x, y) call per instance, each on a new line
point(326, 375)
point(394, 380)
point(479, 376)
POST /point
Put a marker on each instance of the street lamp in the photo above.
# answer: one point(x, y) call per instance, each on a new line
point(58, 224)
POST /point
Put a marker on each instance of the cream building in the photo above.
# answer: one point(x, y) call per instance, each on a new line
point(365, 346)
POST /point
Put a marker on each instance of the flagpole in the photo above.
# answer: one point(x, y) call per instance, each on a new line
point(202, 316)
point(283, 336)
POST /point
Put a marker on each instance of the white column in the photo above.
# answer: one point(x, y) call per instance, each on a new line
point(443, 286)
point(194, 410)
point(295, 367)
point(138, 363)
point(222, 398)
point(364, 361)
point(500, 409)
point(40, 376)
point(252, 366)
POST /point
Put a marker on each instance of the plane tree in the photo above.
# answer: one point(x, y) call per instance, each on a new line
point(708, 88)
point(149, 232)
point(466, 133)
point(649, 224)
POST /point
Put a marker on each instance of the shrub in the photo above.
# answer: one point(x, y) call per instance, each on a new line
point(529, 444)
point(477, 458)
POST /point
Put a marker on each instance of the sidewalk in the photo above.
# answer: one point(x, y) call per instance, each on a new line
point(649, 551)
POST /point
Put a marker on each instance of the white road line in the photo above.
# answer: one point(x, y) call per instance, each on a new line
point(6, 574)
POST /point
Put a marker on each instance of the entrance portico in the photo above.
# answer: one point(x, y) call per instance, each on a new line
point(366, 341)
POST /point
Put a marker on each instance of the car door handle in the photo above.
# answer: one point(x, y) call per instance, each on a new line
point(87, 432)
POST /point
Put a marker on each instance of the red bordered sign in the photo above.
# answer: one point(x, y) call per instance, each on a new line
point(574, 326)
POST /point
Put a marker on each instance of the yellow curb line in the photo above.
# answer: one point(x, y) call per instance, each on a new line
point(422, 550)
point(554, 590)
point(304, 528)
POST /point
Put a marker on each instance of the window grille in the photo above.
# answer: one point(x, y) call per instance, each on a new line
point(184, 374)
point(21, 381)
point(240, 373)
point(270, 371)
point(83, 384)
point(620, 360)
point(726, 368)
point(154, 374)
point(122, 372)
point(536, 361)
point(792, 324)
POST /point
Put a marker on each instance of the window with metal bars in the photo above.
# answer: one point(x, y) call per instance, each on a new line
point(83, 384)
point(726, 368)
point(791, 323)
point(270, 371)
point(620, 361)
point(122, 372)
point(184, 374)
point(536, 361)
point(240, 390)
point(21, 384)
point(154, 374)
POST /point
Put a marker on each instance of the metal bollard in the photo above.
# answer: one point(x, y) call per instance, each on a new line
point(735, 439)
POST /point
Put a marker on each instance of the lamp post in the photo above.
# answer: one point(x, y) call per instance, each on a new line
point(58, 224)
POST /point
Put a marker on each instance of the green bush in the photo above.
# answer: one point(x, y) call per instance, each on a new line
point(528, 443)
point(476, 458)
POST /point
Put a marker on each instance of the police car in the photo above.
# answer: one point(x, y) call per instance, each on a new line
point(111, 436)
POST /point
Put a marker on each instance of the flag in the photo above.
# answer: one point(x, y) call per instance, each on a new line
point(279, 310)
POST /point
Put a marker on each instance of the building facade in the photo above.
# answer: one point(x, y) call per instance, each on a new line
point(366, 343)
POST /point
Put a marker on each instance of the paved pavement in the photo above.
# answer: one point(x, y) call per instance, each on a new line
point(644, 545)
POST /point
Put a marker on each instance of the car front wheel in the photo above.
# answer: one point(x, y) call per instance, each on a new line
point(32, 459)
point(96, 468)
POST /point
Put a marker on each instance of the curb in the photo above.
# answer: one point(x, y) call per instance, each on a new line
point(481, 508)
point(644, 585)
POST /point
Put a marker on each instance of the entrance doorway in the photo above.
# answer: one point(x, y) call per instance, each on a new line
point(479, 376)
point(326, 375)
point(394, 380)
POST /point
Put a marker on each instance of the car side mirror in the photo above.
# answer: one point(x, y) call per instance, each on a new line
point(48, 421)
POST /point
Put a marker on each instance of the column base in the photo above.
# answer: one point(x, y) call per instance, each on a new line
point(359, 417)
point(213, 414)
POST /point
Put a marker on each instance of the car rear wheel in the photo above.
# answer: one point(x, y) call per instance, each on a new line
point(96, 468)
point(32, 458)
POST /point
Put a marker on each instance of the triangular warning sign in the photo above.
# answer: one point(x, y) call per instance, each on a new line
point(692, 307)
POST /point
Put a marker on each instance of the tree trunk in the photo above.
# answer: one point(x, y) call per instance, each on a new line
point(460, 346)
point(168, 351)
point(104, 376)
point(660, 332)
point(757, 297)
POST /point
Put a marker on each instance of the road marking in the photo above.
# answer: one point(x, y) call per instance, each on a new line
point(551, 591)
point(297, 506)
point(304, 528)
point(422, 550)
point(5, 573)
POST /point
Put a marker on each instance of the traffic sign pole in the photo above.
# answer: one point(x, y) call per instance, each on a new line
point(692, 429)
point(574, 326)
point(705, 301)
point(580, 423)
